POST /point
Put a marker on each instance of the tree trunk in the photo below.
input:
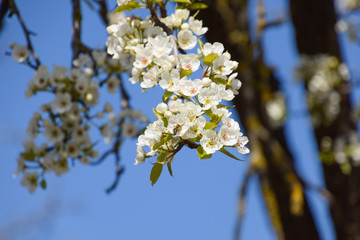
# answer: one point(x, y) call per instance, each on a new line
point(282, 189)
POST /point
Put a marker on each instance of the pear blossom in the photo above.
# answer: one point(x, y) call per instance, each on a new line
point(186, 39)
point(41, 76)
point(210, 141)
point(196, 26)
point(178, 124)
point(53, 133)
point(140, 155)
point(189, 62)
point(129, 129)
point(62, 102)
point(20, 53)
point(240, 145)
point(30, 180)
point(112, 84)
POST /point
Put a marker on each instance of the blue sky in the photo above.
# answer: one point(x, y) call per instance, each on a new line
point(199, 202)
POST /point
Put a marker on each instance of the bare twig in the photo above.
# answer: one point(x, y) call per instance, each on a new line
point(14, 10)
point(118, 141)
point(76, 30)
point(241, 206)
point(103, 10)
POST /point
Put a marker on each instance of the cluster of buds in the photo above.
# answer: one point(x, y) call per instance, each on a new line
point(191, 113)
point(323, 75)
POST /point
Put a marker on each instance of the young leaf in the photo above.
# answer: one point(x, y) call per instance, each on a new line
point(219, 80)
point(161, 157)
point(226, 152)
point(181, 1)
point(155, 173)
point(161, 116)
point(197, 6)
point(43, 184)
point(30, 156)
point(164, 140)
point(208, 60)
point(210, 125)
point(169, 168)
point(166, 96)
point(128, 6)
point(202, 154)
point(185, 73)
point(224, 106)
point(201, 44)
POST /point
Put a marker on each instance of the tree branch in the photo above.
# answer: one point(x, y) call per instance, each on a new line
point(14, 10)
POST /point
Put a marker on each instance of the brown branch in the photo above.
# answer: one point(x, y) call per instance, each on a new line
point(314, 23)
point(76, 29)
point(241, 207)
point(114, 150)
point(14, 10)
point(103, 11)
point(230, 25)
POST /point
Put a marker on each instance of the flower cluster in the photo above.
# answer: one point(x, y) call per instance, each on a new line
point(64, 123)
point(276, 109)
point(344, 150)
point(191, 113)
point(323, 74)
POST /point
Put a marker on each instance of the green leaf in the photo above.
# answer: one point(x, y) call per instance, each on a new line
point(164, 140)
point(161, 116)
point(216, 119)
point(128, 6)
point(30, 156)
point(226, 152)
point(201, 44)
point(155, 173)
point(219, 81)
point(224, 106)
point(208, 60)
point(209, 113)
point(166, 96)
point(43, 184)
point(161, 157)
point(210, 125)
point(169, 168)
point(181, 1)
point(185, 73)
point(197, 6)
point(202, 154)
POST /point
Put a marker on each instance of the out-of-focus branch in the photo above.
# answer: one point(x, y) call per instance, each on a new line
point(76, 29)
point(4, 8)
point(241, 202)
point(14, 10)
point(282, 190)
point(314, 23)
point(114, 150)
point(103, 11)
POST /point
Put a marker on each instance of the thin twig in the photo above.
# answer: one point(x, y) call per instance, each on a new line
point(241, 206)
point(118, 141)
point(76, 30)
point(15, 10)
point(103, 11)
